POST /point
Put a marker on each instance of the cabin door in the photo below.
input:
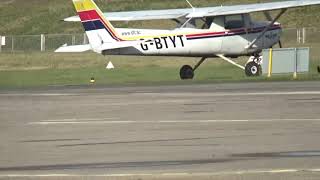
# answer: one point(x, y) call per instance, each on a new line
point(236, 35)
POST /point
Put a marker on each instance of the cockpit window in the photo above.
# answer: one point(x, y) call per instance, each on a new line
point(202, 23)
point(234, 22)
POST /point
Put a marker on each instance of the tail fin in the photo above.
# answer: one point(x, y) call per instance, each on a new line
point(98, 29)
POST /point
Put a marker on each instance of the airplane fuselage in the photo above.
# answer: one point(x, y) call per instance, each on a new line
point(197, 42)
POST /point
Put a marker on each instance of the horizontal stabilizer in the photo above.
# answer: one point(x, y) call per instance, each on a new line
point(87, 47)
point(117, 45)
point(70, 49)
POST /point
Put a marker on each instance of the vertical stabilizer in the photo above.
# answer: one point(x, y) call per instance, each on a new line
point(98, 29)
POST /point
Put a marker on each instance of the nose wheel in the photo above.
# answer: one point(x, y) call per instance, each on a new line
point(253, 66)
point(253, 69)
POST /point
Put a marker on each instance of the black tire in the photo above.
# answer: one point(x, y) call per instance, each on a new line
point(186, 72)
point(253, 69)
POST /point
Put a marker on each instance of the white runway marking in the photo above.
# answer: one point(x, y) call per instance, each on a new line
point(191, 94)
point(182, 174)
point(204, 94)
point(40, 94)
point(76, 119)
point(277, 93)
point(105, 121)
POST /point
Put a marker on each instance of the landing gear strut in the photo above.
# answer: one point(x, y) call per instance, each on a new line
point(187, 72)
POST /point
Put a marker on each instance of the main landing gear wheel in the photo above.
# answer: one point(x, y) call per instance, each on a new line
point(253, 69)
point(186, 72)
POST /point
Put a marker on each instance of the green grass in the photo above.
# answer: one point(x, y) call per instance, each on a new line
point(44, 16)
point(49, 69)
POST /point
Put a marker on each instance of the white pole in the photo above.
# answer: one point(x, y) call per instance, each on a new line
point(12, 43)
point(43, 42)
point(85, 39)
point(73, 39)
point(298, 36)
point(0, 44)
point(303, 35)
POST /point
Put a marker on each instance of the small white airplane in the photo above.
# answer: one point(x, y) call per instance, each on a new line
point(224, 31)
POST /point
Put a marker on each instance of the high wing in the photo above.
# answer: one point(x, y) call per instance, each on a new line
point(250, 8)
point(142, 15)
point(202, 12)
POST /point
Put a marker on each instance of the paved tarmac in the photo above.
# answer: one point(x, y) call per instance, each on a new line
point(230, 131)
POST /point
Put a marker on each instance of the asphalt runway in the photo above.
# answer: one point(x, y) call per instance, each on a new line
point(231, 131)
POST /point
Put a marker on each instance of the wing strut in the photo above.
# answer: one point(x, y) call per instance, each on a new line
point(267, 27)
point(267, 15)
point(230, 61)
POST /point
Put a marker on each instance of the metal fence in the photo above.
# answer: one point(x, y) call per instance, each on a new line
point(50, 42)
point(301, 36)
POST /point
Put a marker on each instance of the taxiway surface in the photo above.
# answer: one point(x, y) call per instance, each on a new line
point(168, 129)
